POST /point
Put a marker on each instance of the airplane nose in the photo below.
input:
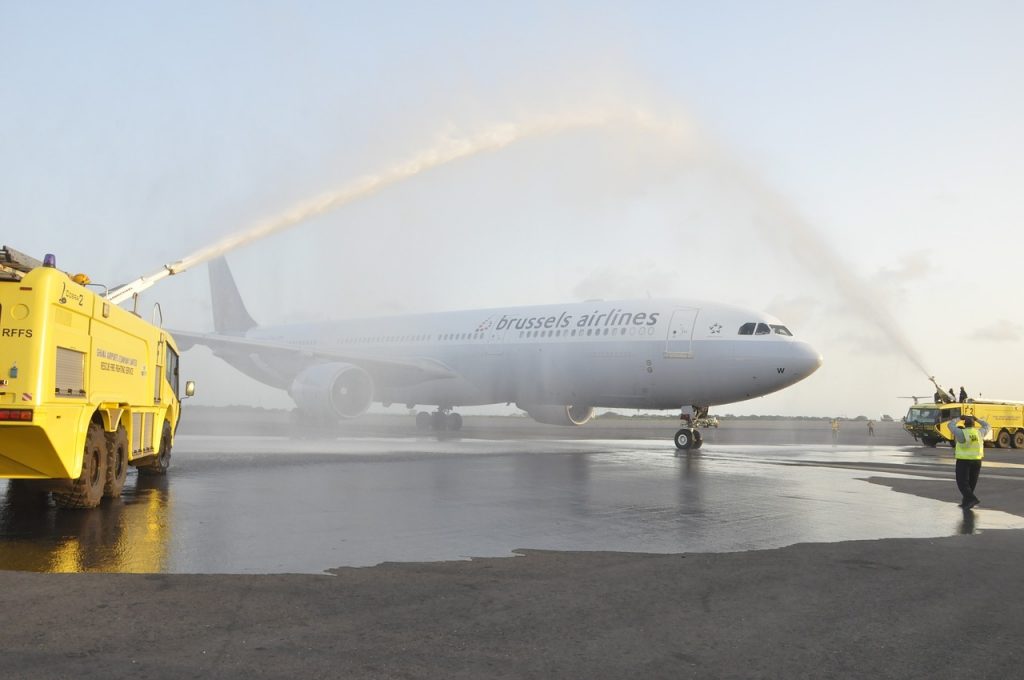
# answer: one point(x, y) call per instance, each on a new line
point(808, 359)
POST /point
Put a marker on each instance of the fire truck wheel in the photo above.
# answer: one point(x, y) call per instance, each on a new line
point(1004, 439)
point(1018, 439)
point(163, 457)
point(87, 490)
point(117, 462)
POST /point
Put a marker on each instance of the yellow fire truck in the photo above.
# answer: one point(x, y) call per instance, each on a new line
point(927, 422)
point(86, 387)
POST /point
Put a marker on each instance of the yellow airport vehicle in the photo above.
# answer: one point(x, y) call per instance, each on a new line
point(927, 422)
point(86, 388)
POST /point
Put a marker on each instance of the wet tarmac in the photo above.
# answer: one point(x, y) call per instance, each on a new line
point(262, 505)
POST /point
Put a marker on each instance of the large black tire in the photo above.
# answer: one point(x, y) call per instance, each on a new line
point(454, 422)
point(928, 441)
point(1018, 440)
point(162, 461)
point(1004, 440)
point(684, 439)
point(117, 462)
point(87, 490)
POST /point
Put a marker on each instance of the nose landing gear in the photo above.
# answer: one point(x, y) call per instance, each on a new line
point(689, 437)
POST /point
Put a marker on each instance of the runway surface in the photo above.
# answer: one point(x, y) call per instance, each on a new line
point(262, 505)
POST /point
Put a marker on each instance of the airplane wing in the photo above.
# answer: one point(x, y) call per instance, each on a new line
point(385, 370)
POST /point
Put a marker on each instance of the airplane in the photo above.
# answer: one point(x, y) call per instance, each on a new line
point(556, 362)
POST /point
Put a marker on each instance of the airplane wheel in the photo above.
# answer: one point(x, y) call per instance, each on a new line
point(698, 440)
point(423, 420)
point(454, 422)
point(684, 439)
point(1018, 440)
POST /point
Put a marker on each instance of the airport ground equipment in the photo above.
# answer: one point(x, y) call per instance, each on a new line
point(87, 388)
point(927, 422)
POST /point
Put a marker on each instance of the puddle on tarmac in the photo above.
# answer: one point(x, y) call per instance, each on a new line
point(266, 505)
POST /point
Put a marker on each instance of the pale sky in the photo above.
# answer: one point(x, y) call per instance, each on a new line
point(887, 136)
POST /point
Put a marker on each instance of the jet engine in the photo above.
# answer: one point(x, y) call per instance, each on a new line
point(333, 390)
point(559, 415)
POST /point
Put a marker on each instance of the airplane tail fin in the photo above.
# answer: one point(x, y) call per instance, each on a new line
point(229, 313)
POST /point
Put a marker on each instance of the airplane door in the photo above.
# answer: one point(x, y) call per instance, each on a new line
point(679, 343)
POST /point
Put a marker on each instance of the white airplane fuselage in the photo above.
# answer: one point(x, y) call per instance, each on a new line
point(651, 354)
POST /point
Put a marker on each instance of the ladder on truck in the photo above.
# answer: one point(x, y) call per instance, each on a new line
point(14, 264)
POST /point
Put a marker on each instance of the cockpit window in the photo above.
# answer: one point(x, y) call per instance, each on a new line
point(755, 328)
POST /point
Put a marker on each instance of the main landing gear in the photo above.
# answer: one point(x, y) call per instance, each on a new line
point(443, 419)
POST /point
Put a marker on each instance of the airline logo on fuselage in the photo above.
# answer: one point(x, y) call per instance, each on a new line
point(616, 318)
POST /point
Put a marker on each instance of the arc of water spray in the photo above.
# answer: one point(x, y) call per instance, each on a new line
point(490, 140)
point(808, 246)
point(803, 241)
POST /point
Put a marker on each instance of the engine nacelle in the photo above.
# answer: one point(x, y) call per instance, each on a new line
point(559, 415)
point(333, 390)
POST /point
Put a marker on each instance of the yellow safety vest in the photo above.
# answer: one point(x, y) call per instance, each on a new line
point(973, 448)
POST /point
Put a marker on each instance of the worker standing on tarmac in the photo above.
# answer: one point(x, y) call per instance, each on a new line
point(970, 449)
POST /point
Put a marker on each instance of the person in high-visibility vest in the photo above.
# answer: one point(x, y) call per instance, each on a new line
point(970, 449)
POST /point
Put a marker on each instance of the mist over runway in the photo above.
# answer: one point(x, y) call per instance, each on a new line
point(248, 504)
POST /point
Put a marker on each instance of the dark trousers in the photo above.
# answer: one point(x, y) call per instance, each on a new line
point(967, 472)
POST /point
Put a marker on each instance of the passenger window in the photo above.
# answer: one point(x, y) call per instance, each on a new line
point(781, 330)
point(762, 329)
point(747, 328)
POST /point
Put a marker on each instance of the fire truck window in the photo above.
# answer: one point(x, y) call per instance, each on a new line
point(172, 369)
point(924, 416)
point(747, 328)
